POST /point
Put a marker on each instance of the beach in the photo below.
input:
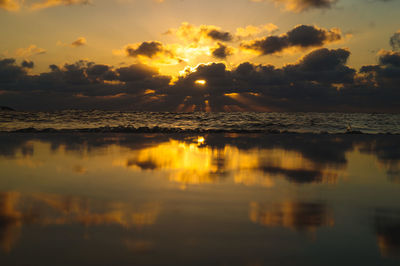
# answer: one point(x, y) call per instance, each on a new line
point(199, 199)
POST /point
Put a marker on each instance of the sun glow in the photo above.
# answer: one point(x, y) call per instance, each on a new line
point(200, 140)
point(200, 82)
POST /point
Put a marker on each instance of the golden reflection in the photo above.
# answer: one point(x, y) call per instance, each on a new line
point(10, 220)
point(52, 209)
point(195, 163)
point(189, 161)
point(387, 227)
point(200, 140)
point(388, 247)
point(297, 216)
point(200, 82)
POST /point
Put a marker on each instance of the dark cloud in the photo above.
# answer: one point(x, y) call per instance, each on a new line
point(390, 59)
point(385, 76)
point(324, 66)
point(319, 81)
point(306, 36)
point(219, 35)
point(79, 85)
point(147, 49)
point(222, 51)
point(395, 41)
point(27, 64)
point(302, 36)
point(9, 71)
point(135, 72)
point(97, 70)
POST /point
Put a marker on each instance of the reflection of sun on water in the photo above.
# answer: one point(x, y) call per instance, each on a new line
point(200, 82)
point(195, 163)
point(200, 140)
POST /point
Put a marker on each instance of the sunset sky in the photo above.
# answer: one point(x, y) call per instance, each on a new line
point(268, 55)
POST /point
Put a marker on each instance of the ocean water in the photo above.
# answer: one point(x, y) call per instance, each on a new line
point(104, 121)
point(199, 199)
point(199, 189)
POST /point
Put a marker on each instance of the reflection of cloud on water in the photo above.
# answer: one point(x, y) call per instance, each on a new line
point(189, 163)
point(298, 216)
point(387, 153)
point(188, 159)
point(49, 209)
point(250, 177)
point(392, 169)
point(139, 246)
point(387, 228)
point(10, 220)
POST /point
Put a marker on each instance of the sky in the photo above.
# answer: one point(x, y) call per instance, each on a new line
point(187, 55)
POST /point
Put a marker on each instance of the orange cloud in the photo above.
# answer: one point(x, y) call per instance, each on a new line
point(298, 6)
point(31, 50)
point(10, 5)
point(53, 3)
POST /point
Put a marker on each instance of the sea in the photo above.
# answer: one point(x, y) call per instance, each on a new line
point(240, 189)
point(142, 122)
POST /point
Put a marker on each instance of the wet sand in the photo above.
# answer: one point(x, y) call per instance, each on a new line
point(193, 199)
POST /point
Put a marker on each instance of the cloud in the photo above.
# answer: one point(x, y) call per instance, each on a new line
point(251, 30)
point(220, 35)
point(10, 5)
point(27, 64)
point(31, 50)
point(319, 81)
point(147, 49)
point(324, 66)
point(395, 41)
point(222, 51)
point(53, 3)
point(298, 6)
point(192, 33)
point(81, 41)
point(151, 51)
point(16, 5)
point(10, 71)
point(384, 75)
point(302, 36)
point(206, 33)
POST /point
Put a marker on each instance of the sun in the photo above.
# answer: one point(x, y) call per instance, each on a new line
point(200, 82)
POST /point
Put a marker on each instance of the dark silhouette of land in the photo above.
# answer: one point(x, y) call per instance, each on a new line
point(6, 108)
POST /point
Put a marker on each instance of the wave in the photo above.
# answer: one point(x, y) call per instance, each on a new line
point(156, 129)
point(142, 122)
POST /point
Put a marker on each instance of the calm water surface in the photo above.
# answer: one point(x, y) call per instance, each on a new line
point(212, 199)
